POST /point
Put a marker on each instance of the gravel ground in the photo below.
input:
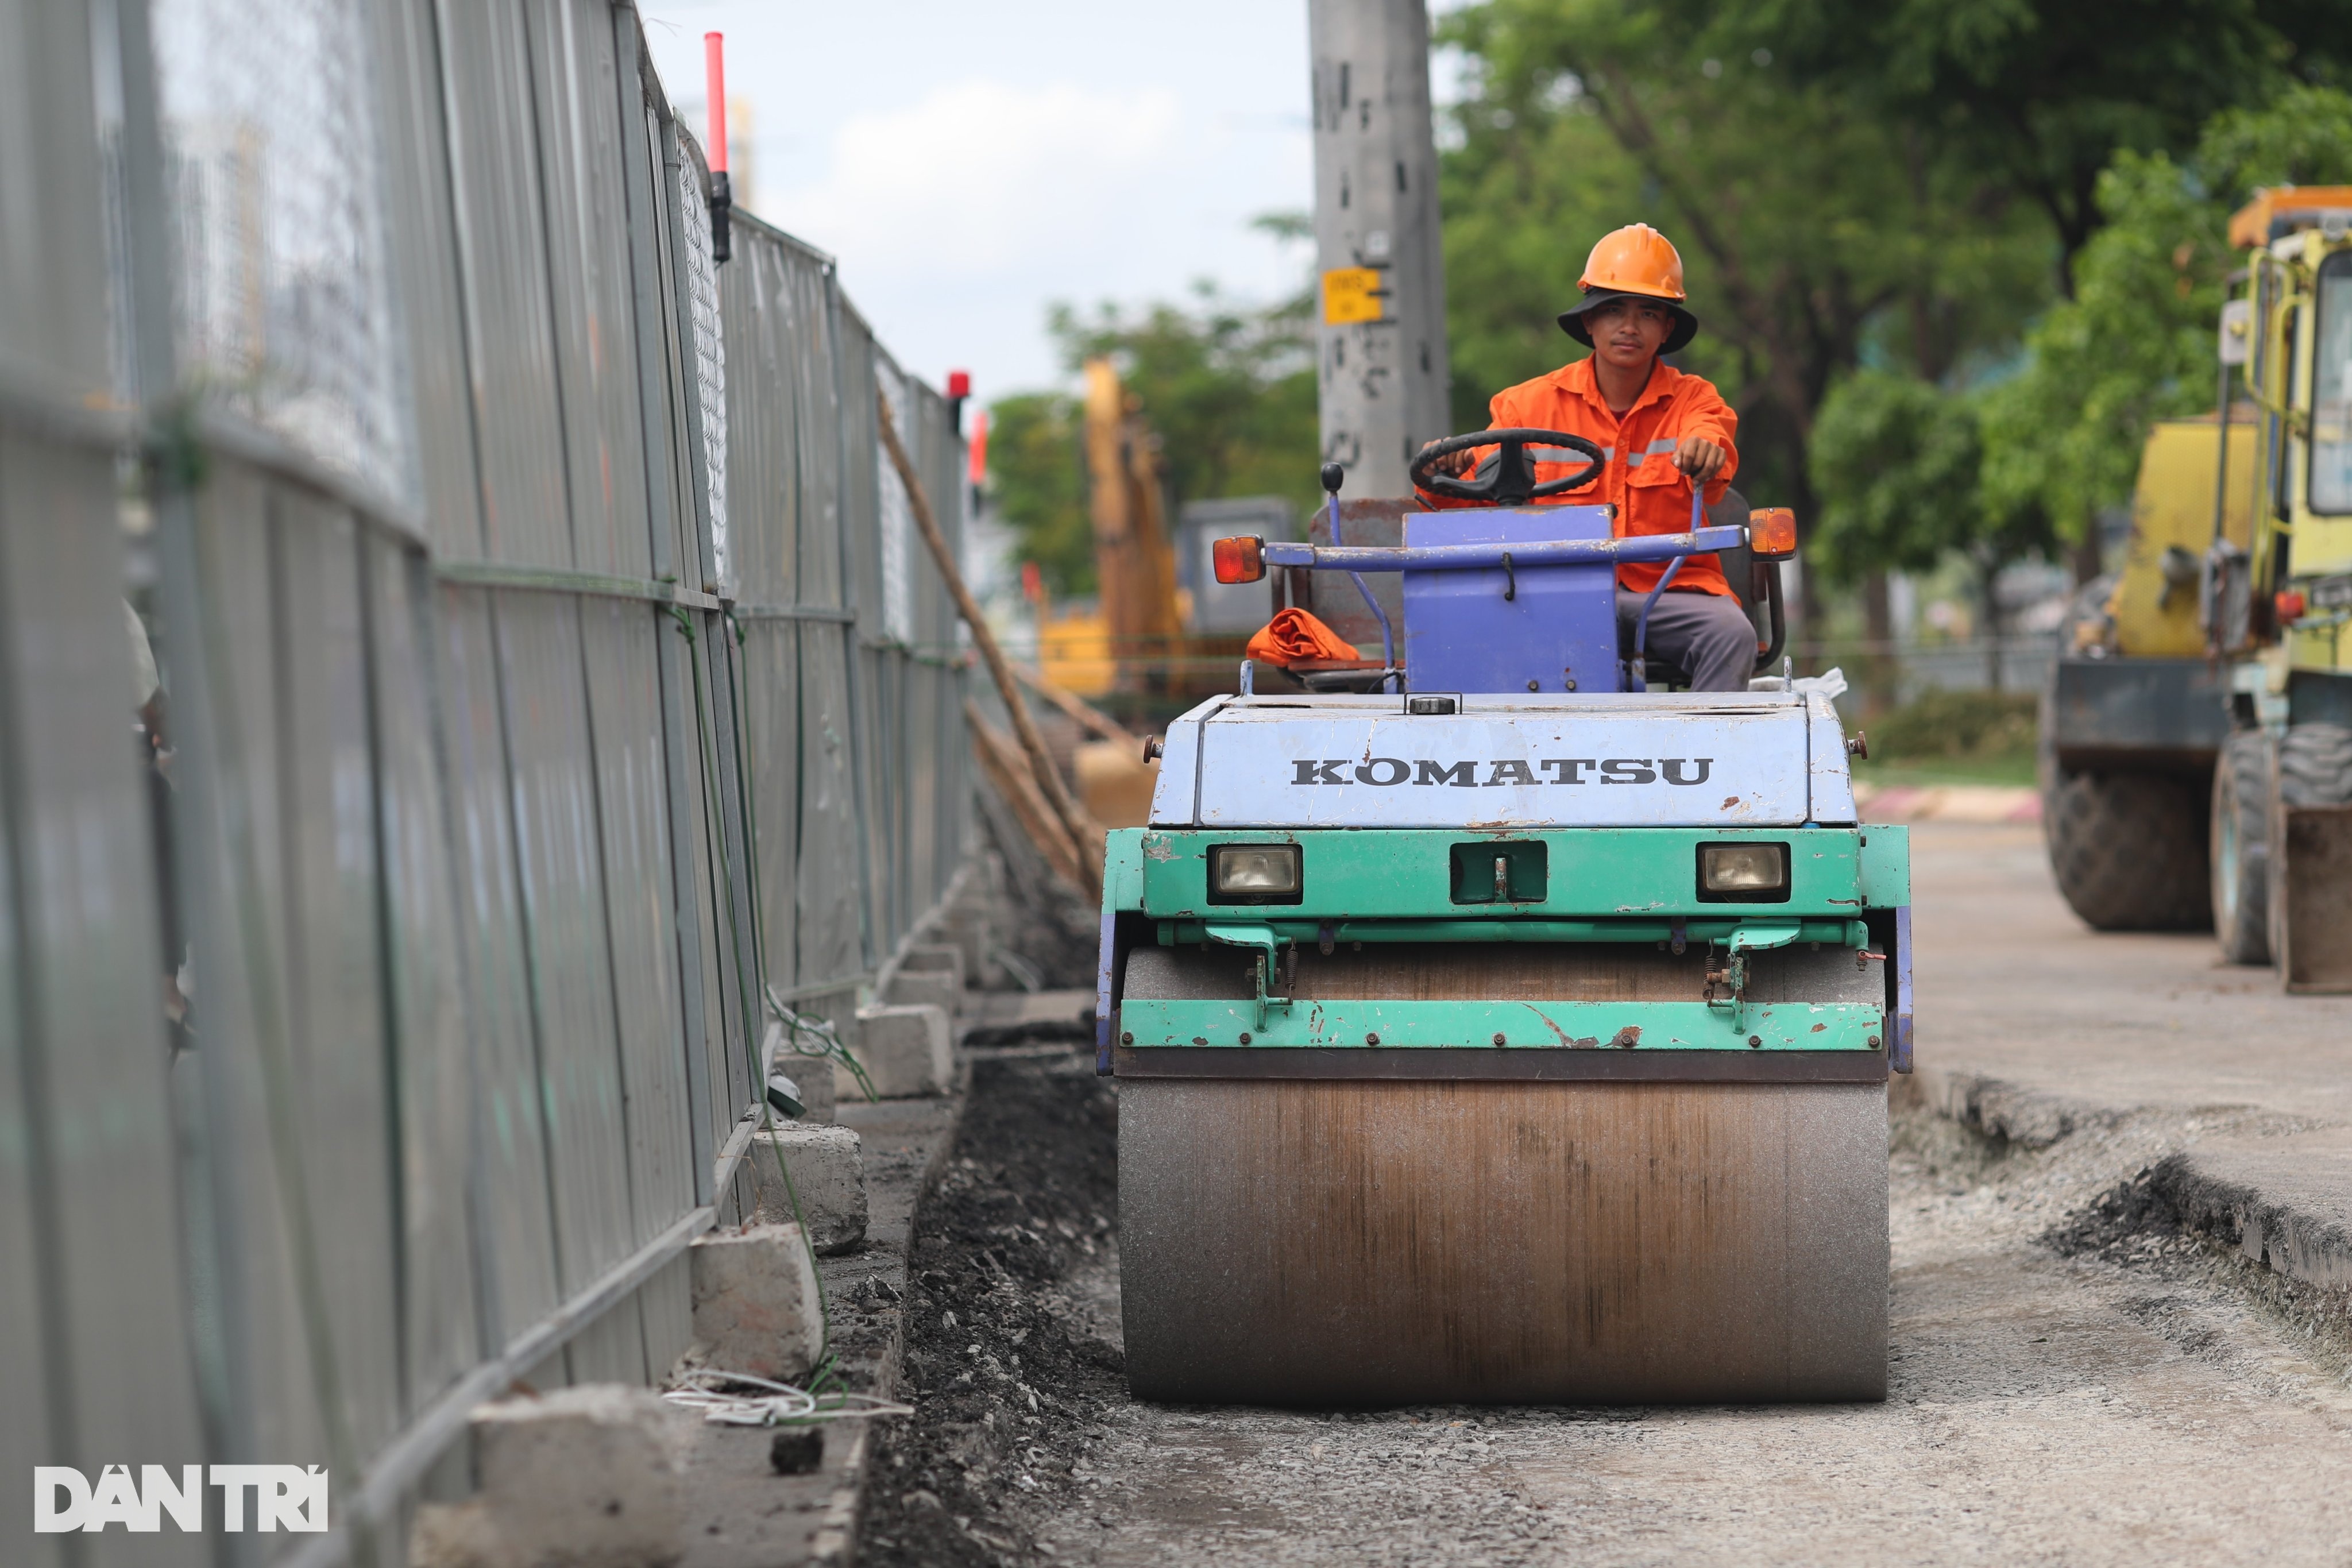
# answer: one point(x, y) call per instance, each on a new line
point(2075, 1380)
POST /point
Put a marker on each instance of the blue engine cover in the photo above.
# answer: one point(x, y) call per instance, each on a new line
point(1558, 633)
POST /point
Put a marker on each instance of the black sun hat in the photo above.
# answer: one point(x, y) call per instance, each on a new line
point(1635, 262)
point(1571, 321)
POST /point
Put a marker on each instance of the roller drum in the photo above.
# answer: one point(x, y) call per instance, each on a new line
point(1321, 1242)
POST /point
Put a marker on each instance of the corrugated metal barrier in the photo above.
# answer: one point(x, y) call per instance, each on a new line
point(550, 691)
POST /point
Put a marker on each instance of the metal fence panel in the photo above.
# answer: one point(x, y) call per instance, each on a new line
point(741, 1007)
point(831, 947)
point(861, 466)
point(334, 997)
point(575, 86)
point(285, 309)
point(684, 492)
point(668, 1305)
point(706, 367)
point(86, 1179)
point(502, 247)
point(632, 804)
point(816, 405)
point(772, 741)
point(519, 1249)
point(424, 257)
point(494, 860)
point(31, 1437)
point(710, 915)
point(762, 395)
point(425, 981)
point(610, 1350)
point(92, 1356)
point(52, 248)
point(241, 956)
point(553, 779)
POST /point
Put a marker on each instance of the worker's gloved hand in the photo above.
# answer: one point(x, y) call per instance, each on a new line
point(1453, 465)
point(1700, 458)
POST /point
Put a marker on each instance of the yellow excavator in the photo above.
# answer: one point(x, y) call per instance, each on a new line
point(1137, 625)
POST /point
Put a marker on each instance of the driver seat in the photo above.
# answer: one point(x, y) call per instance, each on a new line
point(1756, 583)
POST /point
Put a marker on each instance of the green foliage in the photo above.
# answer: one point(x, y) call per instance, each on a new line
point(2044, 94)
point(1897, 462)
point(1230, 389)
point(2136, 343)
point(1956, 724)
point(1811, 237)
point(1901, 468)
point(1037, 475)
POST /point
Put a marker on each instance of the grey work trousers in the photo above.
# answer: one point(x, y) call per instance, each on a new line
point(1708, 635)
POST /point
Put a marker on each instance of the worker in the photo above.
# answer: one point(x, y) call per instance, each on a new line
point(1660, 429)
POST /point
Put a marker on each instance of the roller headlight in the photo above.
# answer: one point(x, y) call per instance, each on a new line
point(1253, 874)
point(1743, 873)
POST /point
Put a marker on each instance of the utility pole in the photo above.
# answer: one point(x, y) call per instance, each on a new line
point(1382, 338)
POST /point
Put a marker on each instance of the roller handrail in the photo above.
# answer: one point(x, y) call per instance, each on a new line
point(1475, 557)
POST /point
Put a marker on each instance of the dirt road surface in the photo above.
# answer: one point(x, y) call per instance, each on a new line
point(2072, 1382)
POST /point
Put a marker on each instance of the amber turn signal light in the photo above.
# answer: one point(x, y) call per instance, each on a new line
point(1241, 559)
point(1773, 533)
point(2289, 604)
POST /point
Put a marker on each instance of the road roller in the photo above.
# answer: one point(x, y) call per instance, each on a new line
point(1499, 1024)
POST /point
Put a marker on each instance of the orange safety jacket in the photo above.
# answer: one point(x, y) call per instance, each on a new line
point(1638, 476)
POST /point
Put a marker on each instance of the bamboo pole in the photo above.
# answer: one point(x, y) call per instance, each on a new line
point(1001, 759)
point(1086, 833)
point(1079, 711)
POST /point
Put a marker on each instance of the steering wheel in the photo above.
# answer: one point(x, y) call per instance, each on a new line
point(1508, 484)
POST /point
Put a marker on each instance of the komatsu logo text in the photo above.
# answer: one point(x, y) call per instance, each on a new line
point(1385, 771)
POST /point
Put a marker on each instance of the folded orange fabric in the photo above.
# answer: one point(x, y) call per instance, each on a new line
point(1294, 634)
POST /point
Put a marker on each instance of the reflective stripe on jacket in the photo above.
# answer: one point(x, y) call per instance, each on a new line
point(1638, 475)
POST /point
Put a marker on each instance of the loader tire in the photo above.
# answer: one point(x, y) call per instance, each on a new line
point(2242, 849)
point(2314, 765)
point(2129, 849)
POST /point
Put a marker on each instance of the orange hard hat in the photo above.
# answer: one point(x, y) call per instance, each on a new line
point(1635, 259)
point(1638, 260)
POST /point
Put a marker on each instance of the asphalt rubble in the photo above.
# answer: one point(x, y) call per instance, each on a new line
point(1009, 1377)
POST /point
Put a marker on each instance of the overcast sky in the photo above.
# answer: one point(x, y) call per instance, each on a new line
point(971, 164)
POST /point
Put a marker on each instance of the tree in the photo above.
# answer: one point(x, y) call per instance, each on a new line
point(1036, 478)
point(2046, 93)
point(1812, 236)
point(1230, 389)
point(2136, 343)
point(1900, 464)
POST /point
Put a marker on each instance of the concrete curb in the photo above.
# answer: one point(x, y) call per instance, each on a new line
point(2287, 1204)
point(2000, 1109)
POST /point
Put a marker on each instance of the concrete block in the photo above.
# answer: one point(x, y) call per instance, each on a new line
point(813, 1077)
point(906, 1052)
point(925, 987)
point(968, 926)
point(585, 1476)
point(935, 957)
point(827, 1165)
point(756, 1306)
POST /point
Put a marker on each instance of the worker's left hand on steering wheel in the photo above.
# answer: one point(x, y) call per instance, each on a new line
point(1700, 458)
point(1452, 464)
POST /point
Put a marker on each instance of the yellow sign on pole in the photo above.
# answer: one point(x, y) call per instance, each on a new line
point(1352, 294)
